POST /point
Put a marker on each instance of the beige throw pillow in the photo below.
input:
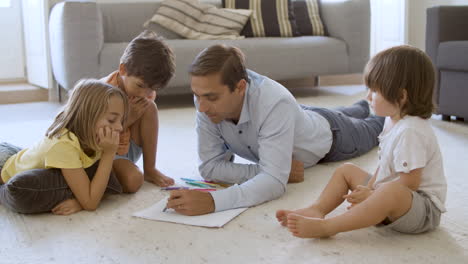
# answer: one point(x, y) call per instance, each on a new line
point(194, 20)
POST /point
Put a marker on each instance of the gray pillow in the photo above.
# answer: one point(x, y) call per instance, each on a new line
point(40, 190)
point(162, 31)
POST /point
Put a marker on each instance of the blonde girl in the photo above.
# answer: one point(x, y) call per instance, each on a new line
point(85, 131)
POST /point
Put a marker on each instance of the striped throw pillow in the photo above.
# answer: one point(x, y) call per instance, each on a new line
point(308, 18)
point(194, 20)
point(270, 18)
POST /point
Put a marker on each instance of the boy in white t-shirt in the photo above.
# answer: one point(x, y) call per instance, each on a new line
point(407, 192)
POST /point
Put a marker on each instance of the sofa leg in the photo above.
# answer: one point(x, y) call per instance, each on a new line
point(445, 117)
point(460, 119)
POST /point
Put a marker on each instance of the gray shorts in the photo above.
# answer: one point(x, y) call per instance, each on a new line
point(134, 153)
point(423, 216)
point(6, 151)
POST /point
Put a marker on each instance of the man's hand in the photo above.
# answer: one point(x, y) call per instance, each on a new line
point(137, 107)
point(297, 172)
point(359, 194)
point(191, 202)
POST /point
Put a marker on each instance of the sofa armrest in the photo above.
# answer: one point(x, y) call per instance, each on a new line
point(445, 23)
point(76, 38)
point(349, 21)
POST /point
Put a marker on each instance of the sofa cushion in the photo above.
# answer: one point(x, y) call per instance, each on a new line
point(40, 190)
point(194, 20)
point(301, 56)
point(307, 13)
point(269, 18)
point(453, 55)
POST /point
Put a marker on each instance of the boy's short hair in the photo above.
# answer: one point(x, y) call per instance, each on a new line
point(148, 57)
point(227, 60)
point(403, 68)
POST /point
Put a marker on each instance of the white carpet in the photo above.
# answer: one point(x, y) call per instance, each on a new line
point(112, 235)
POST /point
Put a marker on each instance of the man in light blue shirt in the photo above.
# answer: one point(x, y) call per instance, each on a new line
point(241, 112)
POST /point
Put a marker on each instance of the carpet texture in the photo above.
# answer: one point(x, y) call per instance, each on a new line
point(111, 235)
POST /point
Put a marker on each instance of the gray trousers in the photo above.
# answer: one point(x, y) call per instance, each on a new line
point(354, 132)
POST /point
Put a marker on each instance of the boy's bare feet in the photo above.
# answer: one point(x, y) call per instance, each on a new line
point(282, 215)
point(307, 227)
point(159, 178)
point(67, 207)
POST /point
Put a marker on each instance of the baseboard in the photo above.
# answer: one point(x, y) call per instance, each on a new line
point(14, 93)
point(300, 83)
point(342, 79)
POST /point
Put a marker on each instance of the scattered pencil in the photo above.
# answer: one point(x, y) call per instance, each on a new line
point(174, 188)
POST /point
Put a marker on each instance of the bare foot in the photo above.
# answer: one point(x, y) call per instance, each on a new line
point(282, 215)
point(67, 207)
point(159, 179)
point(308, 227)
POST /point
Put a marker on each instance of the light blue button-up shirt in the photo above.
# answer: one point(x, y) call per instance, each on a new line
point(272, 129)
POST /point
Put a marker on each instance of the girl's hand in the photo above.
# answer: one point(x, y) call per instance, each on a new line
point(358, 195)
point(67, 207)
point(108, 139)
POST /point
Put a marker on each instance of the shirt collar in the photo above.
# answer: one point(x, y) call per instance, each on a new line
point(245, 113)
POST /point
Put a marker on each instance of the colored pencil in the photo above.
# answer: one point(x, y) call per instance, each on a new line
point(174, 188)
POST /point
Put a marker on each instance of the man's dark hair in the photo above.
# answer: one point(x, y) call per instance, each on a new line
point(226, 60)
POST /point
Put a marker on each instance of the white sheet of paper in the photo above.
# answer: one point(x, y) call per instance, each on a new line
point(218, 219)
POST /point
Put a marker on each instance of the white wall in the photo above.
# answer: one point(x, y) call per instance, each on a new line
point(417, 19)
point(11, 44)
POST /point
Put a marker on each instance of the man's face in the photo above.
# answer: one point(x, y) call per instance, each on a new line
point(216, 99)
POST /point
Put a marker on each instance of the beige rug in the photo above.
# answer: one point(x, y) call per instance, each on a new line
point(112, 235)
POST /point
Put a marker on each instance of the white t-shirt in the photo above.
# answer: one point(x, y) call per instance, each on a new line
point(409, 145)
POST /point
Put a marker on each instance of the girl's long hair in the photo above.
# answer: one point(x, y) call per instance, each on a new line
point(88, 101)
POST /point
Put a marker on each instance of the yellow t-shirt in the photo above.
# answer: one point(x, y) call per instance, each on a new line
point(63, 153)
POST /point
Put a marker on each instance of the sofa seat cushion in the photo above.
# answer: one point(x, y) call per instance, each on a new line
point(453, 55)
point(277, 58)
